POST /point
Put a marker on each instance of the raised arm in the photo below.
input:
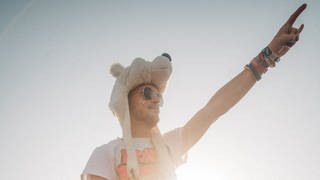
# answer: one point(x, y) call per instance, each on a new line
point(223, 100)
point(226, 97)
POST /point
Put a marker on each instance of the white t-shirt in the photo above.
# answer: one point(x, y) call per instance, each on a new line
point(109, 160)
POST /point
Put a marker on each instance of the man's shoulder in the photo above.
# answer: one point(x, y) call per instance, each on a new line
point(110, 146)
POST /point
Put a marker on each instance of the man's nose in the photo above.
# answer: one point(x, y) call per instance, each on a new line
point(157, 99)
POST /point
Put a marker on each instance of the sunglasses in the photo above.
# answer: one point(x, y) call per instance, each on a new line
point(149, 94)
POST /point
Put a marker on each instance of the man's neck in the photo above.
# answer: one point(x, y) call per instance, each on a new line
point(140, 130)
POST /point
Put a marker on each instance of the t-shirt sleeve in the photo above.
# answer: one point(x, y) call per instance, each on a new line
point(100, 163)
point(174, 140)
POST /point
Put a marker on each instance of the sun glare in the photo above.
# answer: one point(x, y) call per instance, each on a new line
point(192, 172)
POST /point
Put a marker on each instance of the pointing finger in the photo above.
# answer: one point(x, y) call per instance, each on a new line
point(295, 15)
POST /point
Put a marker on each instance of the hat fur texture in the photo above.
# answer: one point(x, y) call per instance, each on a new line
point(156, 72)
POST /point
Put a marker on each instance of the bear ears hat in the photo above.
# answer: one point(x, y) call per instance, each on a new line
point(157, 73)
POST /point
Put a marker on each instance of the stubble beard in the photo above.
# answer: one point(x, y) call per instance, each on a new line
point(151, 120)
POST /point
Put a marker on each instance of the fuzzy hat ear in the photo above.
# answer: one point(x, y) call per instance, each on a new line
point(116, 70)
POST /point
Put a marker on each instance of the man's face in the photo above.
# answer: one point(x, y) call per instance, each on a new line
point(144, 102)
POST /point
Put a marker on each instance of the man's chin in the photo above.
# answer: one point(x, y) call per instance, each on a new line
point(153, 121)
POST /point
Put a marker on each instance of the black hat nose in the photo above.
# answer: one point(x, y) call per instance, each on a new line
point(166, 55)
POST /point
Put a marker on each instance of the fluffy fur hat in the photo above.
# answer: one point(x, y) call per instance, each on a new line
point(156, 72)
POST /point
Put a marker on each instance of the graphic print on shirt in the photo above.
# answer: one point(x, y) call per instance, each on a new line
point(147, 163)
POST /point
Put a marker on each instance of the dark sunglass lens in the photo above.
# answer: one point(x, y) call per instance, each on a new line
point(147, 92)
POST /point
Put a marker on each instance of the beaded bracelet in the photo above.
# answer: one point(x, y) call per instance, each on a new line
point(260, 64)
point(270, 57)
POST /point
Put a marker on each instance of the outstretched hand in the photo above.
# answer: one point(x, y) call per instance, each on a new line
point(288, 35)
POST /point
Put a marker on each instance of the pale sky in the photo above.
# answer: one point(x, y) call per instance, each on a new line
point(55, 86)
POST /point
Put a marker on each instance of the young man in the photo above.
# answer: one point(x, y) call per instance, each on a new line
point(143, 152)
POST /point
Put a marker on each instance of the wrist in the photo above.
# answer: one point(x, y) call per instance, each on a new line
point(260, 64)
point(271, 56)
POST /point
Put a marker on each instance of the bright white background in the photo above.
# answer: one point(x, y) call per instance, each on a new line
point(55, 86)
